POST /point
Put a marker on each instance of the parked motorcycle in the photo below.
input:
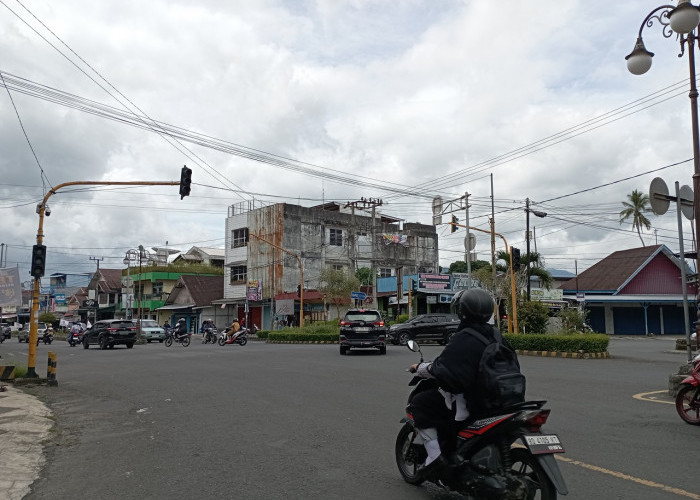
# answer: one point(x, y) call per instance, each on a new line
point(171, 336)
point(503, 456)
point(210, 335)
point(240, 337)
point(688, 397)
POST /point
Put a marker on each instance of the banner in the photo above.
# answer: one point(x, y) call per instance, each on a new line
point(284, 307)
point(10, 288)
point(254, 290)
point(395, 239)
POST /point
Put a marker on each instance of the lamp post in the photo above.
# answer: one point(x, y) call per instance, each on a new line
point(536, 213)
point(682, 19)
point(131, 255)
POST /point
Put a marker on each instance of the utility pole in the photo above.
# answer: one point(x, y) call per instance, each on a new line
point(468, 242)
point(365, 203)
point(97, 286)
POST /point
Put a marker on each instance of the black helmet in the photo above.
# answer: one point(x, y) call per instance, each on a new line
point(473, 305)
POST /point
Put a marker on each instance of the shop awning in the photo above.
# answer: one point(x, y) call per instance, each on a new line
point(171, 307)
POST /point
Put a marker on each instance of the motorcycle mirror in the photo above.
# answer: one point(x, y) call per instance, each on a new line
point(413, 345)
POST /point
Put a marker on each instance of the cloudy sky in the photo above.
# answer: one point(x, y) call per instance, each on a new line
point(332, 100)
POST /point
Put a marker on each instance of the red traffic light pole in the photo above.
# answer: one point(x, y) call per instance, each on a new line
point(41, 209)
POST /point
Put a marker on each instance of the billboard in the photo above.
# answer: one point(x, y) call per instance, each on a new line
point(10, 289)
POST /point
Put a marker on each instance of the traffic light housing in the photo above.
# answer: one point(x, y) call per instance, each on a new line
point(516, 259)
point(38, 261)
point(454, 222)
point(298, 290)
point(185, 181)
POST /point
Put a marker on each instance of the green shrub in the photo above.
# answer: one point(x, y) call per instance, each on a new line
point(584, 342)
point(532, 317)
point(301, 335)
point(573, 319)
point(262, 334)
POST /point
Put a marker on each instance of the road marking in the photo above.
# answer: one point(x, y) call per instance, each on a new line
point(647, 396)
point(644, 482)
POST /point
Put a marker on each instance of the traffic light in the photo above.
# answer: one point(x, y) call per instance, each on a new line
point(185, 181)
point(516, 259)
point(454, 222)
point(298, 290)
point(38, 261)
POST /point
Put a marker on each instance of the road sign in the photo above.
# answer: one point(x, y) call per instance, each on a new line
point(358, 295)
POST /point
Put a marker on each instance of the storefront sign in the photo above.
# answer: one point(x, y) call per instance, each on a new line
point(434, 281)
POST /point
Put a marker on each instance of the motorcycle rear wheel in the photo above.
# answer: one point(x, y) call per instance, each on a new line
point(409, 455)
point(186, 341)
point(525, 464)
point(688, 404)
point(168, 342)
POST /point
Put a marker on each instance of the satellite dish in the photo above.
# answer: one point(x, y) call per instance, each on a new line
point(658, 196)
point(686, 200)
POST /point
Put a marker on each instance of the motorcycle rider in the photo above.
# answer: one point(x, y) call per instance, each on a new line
point(48, 334)
point(180, 328)
point(233, 329)
point(207, 327)
point(455, 370)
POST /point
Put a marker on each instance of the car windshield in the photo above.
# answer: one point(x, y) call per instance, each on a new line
point(41, 326)
point(362, 316)
point(149, 323)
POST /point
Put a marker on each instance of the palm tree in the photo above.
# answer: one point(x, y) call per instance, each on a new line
point(637, 204)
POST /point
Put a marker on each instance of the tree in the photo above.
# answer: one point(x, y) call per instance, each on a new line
point(635, 207)
point(337, 285)
point(364, 274)
point(48, 317)
point(460, 266)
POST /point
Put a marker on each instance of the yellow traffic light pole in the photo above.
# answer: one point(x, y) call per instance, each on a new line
point(512, 274)
point(41, 209)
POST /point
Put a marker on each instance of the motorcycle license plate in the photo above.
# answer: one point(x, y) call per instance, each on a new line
point(543, 443)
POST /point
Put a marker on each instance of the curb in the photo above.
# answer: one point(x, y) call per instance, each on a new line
point(301, 341)
point(560, 354)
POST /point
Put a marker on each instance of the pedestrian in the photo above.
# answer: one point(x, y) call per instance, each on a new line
point(275, 324)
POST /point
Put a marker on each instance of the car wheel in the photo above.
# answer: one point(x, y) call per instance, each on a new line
point(86, 345)
point(382, 350)
point(103, 343)
point(404, 337)
point(149, 341)
point(343, 349)
point(130, 345)
point(161, 341)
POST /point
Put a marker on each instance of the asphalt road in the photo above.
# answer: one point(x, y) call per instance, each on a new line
point(301, 421)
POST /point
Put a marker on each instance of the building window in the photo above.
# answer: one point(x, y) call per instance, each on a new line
point(239, 237)
point(335, 237)
point(239, 274)
point(157, 288)
point(385, 272)
point(337, 267)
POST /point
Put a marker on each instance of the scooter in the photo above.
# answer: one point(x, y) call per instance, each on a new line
point(46, 338)
point(171, 336)
point(240, 337)
point(688, 397)
point(75, 338)
point(501, 455)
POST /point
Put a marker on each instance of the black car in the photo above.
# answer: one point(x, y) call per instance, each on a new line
point(5, 333)
point(362, 328)
point(110, 332)
point(435, 327)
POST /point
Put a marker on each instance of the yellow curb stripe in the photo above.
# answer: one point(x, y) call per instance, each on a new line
point(621, 475)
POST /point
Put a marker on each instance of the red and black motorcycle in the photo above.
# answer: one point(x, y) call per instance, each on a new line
point(502, 456)
point(688, 397)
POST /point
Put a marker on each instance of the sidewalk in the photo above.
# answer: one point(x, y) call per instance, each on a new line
point(24, 425)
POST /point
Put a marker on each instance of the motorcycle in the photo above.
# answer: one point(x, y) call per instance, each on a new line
point(688, 397)
point(46, 338)
point(240, 337)
point(503, 456)
point(75, 338)
point(171, 336)
point(210, 335)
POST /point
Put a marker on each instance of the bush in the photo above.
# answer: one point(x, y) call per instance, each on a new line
point(571, 342)
point(573, 319)
point(302, 335)
point(532, 317)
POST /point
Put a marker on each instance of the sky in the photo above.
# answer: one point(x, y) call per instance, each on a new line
point(306, 102)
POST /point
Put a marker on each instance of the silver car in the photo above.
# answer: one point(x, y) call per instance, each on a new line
point(151, 330)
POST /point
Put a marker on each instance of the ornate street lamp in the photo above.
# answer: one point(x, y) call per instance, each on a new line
point(682, 19)
point(536, 213)
point(131, 256)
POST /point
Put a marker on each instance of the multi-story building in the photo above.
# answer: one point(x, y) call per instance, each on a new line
point(269, 248)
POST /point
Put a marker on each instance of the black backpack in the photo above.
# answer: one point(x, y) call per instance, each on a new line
point(499, 382)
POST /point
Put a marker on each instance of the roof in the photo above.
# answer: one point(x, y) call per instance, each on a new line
point(617, 269)
point(203, 289)
point(112, 278)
